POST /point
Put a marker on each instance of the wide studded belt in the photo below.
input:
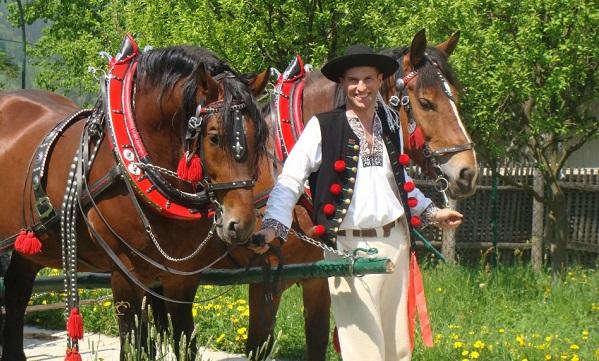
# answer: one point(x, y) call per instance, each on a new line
point(369, 232)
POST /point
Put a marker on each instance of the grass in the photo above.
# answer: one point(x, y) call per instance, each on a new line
point(508, 313)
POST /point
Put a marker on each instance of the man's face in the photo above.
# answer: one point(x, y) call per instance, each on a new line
point(361, 85)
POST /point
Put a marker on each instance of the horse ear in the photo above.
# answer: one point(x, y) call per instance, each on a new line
point(417, 48)
point(258, 81)
point(205, 81)
point(448, 46)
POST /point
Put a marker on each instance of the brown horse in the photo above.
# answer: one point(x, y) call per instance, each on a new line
point(121, 231)
point(451, 159)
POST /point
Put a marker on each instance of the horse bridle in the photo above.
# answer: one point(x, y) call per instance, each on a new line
point(238, 147)
point(403, 100)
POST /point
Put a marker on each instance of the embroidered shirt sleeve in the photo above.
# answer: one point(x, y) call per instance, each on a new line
point(280, 229)
point(428, 215)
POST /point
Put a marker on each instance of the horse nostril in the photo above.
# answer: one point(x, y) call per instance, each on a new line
point(233, 225)
point(466, 176)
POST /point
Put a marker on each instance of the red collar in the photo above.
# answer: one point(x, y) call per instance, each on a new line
point(126, 142)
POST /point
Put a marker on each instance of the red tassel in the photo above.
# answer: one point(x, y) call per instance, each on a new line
point(75, 324)
point(190, 171)
point(416, 139)
point(336, 344)
point(72, 355)
point(27, 243)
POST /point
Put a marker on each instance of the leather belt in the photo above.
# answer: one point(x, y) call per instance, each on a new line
point(369, 232)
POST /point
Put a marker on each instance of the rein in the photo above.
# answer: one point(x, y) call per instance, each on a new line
point(417, 139)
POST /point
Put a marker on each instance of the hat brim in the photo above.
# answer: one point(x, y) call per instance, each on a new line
point(335, 68)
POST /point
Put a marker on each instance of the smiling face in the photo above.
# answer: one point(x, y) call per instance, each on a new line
point(361, 85)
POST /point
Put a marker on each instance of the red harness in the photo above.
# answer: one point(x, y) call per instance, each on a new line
point(289, 90)
point(126, 142)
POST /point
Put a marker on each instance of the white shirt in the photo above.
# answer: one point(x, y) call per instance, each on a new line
point(375, 200)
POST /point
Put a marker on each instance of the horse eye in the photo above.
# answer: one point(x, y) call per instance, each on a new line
point(214, 139)
point(426, 104)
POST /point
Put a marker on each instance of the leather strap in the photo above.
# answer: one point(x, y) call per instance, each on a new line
point(369, 232)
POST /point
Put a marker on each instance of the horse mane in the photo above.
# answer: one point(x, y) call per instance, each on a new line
point(165, 67)
point(426, 70)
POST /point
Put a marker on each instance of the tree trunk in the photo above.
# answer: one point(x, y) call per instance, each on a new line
point(557, 230)
point(537, 223)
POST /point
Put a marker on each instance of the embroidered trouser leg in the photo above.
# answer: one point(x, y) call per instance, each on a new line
point(371, 311)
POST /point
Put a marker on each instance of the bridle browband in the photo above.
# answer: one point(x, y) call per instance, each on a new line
point(403, 100)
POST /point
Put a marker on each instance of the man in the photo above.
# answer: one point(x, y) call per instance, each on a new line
point(351, 157)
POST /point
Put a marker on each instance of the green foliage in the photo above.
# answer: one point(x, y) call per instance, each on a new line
point(8, 70)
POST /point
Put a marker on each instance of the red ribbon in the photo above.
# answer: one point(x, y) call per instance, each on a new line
point(417, 303)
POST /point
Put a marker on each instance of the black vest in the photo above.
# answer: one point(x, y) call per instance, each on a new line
point(341, 144)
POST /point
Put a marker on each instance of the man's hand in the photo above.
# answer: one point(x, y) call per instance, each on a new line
point(447, 218)
point(267, 235)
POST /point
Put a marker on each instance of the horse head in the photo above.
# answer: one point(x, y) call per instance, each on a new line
point(425, 88)
point(192, 107)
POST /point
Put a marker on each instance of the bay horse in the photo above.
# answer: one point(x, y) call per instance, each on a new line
point(442, 147)
point(113, 171)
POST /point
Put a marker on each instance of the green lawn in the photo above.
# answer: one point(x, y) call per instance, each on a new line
point(510, 313)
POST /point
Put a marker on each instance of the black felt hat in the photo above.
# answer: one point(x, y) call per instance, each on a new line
point(359, 55)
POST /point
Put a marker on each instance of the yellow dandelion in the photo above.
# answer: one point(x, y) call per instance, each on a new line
point(465, 353)
point(585, 332)
point(521, 341)
point(208, 287)
point(458, 344)
point(107, 304)
point(220, 338)
point(241, 330)
point(479, 344)
point(439, 290)
point(474, 354)
point(246, 313)
point(548, 357)
point(574, 347)
point(501, 330)
point(548, 338)
point(194, 312)
point(575, 358)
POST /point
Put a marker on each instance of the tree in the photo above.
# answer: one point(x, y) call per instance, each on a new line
point(8, 70)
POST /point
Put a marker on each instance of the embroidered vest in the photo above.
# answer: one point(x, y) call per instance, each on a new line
point(332, 185)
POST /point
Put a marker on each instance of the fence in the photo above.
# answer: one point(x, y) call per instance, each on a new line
point(509, 217)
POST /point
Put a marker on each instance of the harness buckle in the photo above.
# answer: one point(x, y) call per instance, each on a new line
point(394, 101)
point(44, 207)
point(405, 100)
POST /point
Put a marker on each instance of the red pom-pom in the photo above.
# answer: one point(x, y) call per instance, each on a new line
point(412, 202)
point(75, 324)
point(328, 209)
point(339, 166)
point(190, 171)
point(409, 186)
point(415, 221)
point(72, 355)
point(27, 243)
point(335, 189)
point(318, 230)
point(404, 159)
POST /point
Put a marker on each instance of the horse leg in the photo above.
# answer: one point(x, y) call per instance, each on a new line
point(262, 321)
point(127, 305)
point(317, 308)
point(18, 284)
point(181, 314)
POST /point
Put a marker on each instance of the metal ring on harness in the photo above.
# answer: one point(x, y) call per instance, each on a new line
point(441, 184)
point(405, 100)
point(394, 101)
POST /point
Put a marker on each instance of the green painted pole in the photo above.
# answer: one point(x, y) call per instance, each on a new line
point(319, 269)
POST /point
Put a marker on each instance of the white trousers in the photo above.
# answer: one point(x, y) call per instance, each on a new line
point(371, 312)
